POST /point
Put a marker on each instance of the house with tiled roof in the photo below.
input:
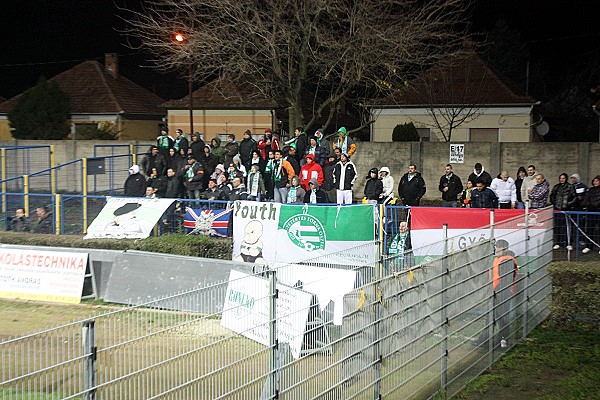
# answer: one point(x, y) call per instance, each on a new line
point(223, 107)
point(463, 100)
point(100, 96)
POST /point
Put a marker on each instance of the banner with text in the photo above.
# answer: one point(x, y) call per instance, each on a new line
point(42, 275)
point(265, 232)
point(127, 217)
point(470, 225)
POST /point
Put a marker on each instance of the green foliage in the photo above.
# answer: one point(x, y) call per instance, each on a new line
point(42, 113)
point(405, 133)
point(104, 131)
point(575, 300)
point(195, 246)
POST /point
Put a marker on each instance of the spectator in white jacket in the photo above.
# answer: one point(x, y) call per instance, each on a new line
point(388, 183)
point(505, 189)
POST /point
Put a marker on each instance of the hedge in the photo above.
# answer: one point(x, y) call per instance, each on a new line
point(195, 246)
point(575, 295)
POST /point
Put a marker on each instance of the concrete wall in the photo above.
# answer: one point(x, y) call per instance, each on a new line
point(551, 159)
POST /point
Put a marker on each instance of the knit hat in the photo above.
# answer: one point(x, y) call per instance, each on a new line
point(178, 131)
point(268, 130)
point(577, 177)
point(220, 166)
point(342, 130)
point(373, 171)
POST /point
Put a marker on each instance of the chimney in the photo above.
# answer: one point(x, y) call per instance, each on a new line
point(111, 64)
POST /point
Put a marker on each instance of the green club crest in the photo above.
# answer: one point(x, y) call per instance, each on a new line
point(306, 232)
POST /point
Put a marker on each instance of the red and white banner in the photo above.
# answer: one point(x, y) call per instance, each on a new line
point(467, 226)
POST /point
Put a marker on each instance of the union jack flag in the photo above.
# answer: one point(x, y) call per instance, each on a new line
point(206, 222)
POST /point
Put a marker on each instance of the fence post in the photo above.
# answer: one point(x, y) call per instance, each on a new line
point(273, 386)
point(3, 172)
point(444, 311)
point(89, 360)
point(133, 155)
point(26, 194)
point(52, 171)
point(84, 192)
point(526, 286)
point(58, 213)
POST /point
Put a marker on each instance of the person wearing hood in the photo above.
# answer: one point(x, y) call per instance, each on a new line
point(231, 149)
point(197, 146)
point(521, 174)
point(539, 193)
point(256, 159)
point(411, 187)
point(219, 170)
point(314, 194)
point(373, 187)
point(209, 161)
point(237, 161)
point(135, 184)
point(323, 142)
point(344, 176)
point(328, 185)
point(388, 183)
point(480, 173)
point(345, 142)
point(580, 189)
point(295, 194)
point(309, 170)
point(217, 150)
point(247, 146)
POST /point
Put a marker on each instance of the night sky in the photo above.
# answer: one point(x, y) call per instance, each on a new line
point(47, 37)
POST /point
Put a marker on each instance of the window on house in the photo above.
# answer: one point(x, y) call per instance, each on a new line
point(488, 135)
point(424, 134)
point(85, 127)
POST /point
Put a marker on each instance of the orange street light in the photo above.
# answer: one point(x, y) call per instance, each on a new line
point(179, 37)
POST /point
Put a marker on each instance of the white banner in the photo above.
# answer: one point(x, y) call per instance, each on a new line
point(246, 310)
point(42, 275)
point(127, 217)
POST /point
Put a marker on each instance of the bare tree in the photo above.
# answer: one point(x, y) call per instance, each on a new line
point(335, 50)
point(453, 92)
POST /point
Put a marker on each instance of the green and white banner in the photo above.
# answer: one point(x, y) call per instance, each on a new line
point(291, 233)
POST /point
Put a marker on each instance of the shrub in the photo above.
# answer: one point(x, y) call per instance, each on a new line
point(405, 133)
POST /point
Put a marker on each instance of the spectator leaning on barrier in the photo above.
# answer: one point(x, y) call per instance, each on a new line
point(411, 187)
point(135, 184)
point(591, 203)
point(450, 186)
point(505, 189)
point(538, 195)
point(483, 197)
point(315, 195)
point(562, 198)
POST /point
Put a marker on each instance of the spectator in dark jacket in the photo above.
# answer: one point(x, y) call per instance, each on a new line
point(20, 222)
point(44, 222)
point(591, 203)
point(411, 187)
point(135, 184)
point(521, 174)
point(483, 196)
point(480, 172)
point(197, 146)
point(231, 149)
point(374, 186)
point(315, 195)
point(247, 146)
point(580, 189)
point(562, 198)
point(153, 159)
point(450, 186)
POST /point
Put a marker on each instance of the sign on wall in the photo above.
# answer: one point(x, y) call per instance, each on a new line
point(42, 275)
point(457, 154)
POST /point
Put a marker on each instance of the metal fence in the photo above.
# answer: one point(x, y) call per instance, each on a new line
point(421, 332)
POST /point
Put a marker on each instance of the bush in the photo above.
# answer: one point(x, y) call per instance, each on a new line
point(405, 133)
point(195, 246)
point(575, 300)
